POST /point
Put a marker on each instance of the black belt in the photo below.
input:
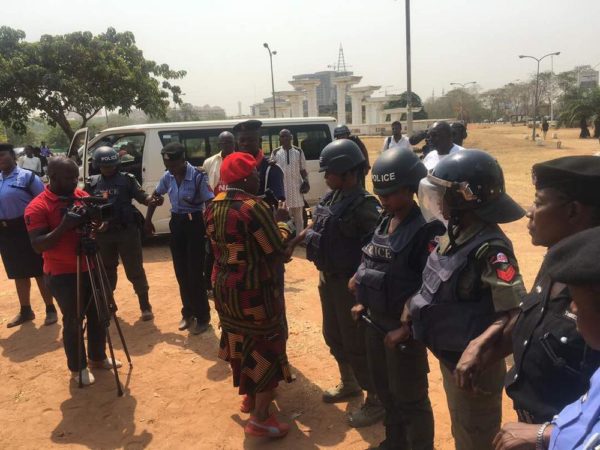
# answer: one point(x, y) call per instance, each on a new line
point(12, 224)
point(190, 216)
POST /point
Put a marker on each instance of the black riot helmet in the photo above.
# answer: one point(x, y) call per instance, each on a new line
point(340, 131)
point(105, 156)
point(473, 180)
point(395, 168)
point(340, 156)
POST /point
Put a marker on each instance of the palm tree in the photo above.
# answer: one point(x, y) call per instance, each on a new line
point(579, 105)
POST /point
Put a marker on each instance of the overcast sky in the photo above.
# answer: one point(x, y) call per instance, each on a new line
point(219, 42)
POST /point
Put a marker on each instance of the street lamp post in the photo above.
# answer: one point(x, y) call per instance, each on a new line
point(271, 53)
point(463, 86)
point(537, 85)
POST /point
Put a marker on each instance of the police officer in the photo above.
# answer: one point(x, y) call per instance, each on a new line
point(471, 286)
point(553, 364)
point(188, 192)
point(343, 132)
point(390, 273)
point(574, 262)
point(122, 234)
point(343, 220)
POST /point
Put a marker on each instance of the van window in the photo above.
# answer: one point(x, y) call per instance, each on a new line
point(130, 148)
point(310, 138)
point(199, 144)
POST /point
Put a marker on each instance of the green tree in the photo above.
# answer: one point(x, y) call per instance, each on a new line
point(79, 73)
point(580, 104)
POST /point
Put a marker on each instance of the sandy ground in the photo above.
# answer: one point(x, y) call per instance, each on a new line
point(178, 395)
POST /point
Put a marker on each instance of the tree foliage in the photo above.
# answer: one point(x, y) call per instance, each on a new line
point(79, 73)
point(578, 104)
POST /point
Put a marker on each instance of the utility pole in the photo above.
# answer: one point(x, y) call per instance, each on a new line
point(409, 116)
point(271, 53)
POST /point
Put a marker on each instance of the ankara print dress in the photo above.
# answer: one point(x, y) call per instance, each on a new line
point(248, 245)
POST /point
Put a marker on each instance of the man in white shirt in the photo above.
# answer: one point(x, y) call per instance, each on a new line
point(31, 162)
point(292, 162)
point(212, 165)
point(440, 138)
point(396, 140)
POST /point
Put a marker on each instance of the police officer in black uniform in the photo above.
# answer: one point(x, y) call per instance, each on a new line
point(553, 364)
point(343, 221)
point(343, 132)
point(390, 273)
point(471, 286)
point(121, 236)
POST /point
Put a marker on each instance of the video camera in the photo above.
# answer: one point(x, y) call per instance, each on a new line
point(91, 209)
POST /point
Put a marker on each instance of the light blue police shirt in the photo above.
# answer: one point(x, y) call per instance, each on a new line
point(190, 195)
point(16, 191)
point(577, 426)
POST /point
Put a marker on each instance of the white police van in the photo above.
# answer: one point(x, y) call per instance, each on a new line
point(144, 142)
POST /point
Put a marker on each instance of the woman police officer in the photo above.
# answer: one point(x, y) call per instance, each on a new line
point(471, 284)
point(390, 273)
point(343, 220)
point(552, 362)
point(574, 262)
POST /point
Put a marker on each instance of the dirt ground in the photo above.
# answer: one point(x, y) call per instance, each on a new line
point(178, 395)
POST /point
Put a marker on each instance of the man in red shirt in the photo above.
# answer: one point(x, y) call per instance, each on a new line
point(54, 234)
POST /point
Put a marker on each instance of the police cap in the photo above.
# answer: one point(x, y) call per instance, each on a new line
point(341, 130)
point(105, 156)
point(395, 168)
point(173, 151)
point(248, 125)
point(576, 176)
point(574, 260)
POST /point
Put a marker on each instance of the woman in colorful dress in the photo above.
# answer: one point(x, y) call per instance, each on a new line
point(248, 245)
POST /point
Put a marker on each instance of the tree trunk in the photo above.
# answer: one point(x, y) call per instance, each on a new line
point(62, 122)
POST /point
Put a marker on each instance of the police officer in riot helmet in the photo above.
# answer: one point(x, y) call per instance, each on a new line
point(552, 363)
point(121, 236)
point(389, 274)
point(471, 287)
point(343, 132)
point(343, 220)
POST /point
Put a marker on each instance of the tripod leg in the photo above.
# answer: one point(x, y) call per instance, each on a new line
point(113, 307)
point(114, 364)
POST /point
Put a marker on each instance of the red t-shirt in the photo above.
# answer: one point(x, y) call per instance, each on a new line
point(46, 212)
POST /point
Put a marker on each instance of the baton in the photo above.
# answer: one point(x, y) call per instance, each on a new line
point(376, 327)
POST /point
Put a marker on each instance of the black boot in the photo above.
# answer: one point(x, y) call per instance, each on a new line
point(145, 307)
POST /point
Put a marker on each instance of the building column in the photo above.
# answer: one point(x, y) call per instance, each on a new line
point(356, 98)
point(311, 97)
point(309, 86)
point(341, 84)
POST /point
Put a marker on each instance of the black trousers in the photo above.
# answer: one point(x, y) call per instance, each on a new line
point(64, 290)
point(344, 337)
point(400, 379)
point(127, 244)
point(188, 252)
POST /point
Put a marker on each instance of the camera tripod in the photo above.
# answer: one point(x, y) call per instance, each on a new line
point(102, 299)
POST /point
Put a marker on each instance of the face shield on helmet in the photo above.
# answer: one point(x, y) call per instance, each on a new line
point(431, 197)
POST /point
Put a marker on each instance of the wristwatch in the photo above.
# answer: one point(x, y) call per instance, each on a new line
point(539, 440)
